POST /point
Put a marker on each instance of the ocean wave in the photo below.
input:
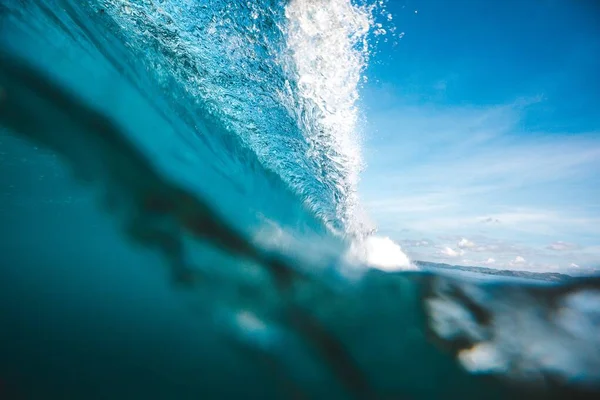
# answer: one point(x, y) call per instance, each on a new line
point(225, 136)
point(282, 77)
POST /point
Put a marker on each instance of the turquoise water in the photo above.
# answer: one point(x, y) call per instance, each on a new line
point(180, 220)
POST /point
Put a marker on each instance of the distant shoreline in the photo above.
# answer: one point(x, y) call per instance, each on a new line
point(542, 276)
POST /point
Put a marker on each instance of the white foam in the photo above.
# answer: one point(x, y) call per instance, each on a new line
point(327, 43)
point(526, 336)
point(380, 253)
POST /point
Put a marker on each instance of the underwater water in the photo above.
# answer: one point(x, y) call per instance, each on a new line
point(180, 219)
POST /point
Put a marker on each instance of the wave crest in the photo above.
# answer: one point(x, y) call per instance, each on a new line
point(282, 79)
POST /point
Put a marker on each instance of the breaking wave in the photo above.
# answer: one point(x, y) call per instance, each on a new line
point(225, 135)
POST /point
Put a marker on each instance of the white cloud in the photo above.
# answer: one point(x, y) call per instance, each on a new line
point(490, 220)
point(502, 254)
point(416, 243)
point(449, 252)
point(465, 244)
point(562, 246)
point(518, 261)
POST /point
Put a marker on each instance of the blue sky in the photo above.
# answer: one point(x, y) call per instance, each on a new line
point(482, 139)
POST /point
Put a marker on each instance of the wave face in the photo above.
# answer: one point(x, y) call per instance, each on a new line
point(280, 77)
point(225, 137)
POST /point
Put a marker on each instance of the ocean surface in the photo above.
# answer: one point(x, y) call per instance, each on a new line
point(180, 220)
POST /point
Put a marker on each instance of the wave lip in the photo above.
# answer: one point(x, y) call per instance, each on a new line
point(327, 42)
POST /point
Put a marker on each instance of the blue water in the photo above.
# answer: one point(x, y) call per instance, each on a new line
point(180, 220)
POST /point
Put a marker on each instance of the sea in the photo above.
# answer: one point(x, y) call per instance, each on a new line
point(180, 219)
